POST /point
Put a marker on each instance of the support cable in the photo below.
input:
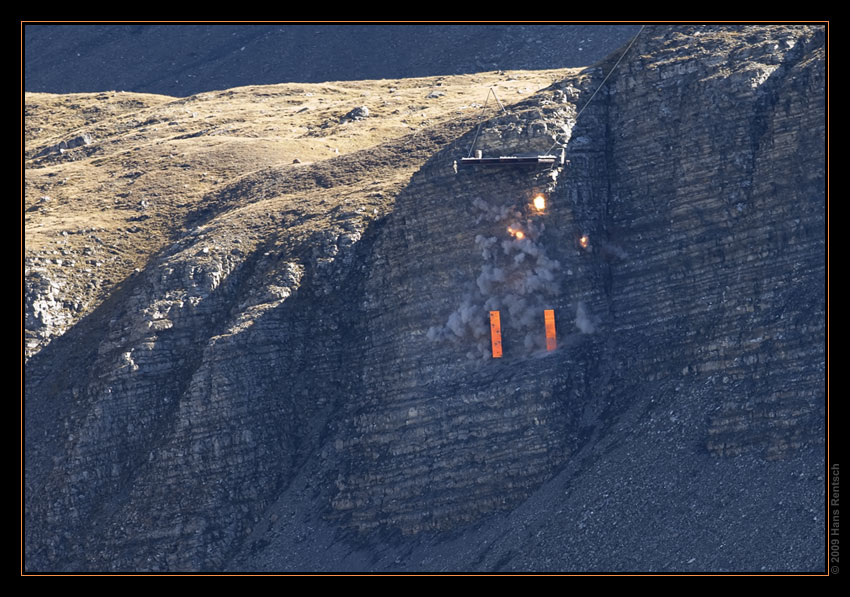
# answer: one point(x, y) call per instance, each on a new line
point(616, 64)
point(478, 129)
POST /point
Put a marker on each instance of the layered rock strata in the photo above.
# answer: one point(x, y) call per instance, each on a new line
point(682, 249)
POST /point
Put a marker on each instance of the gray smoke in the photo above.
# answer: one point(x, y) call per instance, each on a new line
point(613, 250)
point(584, 321)
point(494, 213)
point(516, 278)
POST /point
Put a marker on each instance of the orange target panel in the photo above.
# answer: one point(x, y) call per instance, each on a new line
point(496, 334)
point(549, 319)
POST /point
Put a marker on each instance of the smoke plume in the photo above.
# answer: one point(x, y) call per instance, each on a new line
point(584, 321)
point(516, 278)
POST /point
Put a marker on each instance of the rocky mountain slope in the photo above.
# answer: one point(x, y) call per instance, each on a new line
point(240, 362)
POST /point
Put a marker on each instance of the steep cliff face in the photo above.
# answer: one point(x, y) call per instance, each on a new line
point(298, 384)
point(740, 208)
point(699, 244)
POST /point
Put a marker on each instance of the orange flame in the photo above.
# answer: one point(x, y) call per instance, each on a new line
point(584, 241)
point(518, 234)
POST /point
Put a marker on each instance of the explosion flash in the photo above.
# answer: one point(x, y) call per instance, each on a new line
point(516, 233)
point(539, 203)
point(584, 241)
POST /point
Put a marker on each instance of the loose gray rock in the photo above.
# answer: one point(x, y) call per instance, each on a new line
point(358, 113)
point(62, 146)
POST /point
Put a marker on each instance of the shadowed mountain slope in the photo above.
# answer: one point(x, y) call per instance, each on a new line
point(182, 60)
point(285, 366)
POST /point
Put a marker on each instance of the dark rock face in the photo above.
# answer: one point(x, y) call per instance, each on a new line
point(324, 400)
point(183, 60)
point(670, 250)
point(741, 208)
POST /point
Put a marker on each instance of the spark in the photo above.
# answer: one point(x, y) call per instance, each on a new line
point(584, 241)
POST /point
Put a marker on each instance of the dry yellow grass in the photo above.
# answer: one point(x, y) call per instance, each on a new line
point(99, 211)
